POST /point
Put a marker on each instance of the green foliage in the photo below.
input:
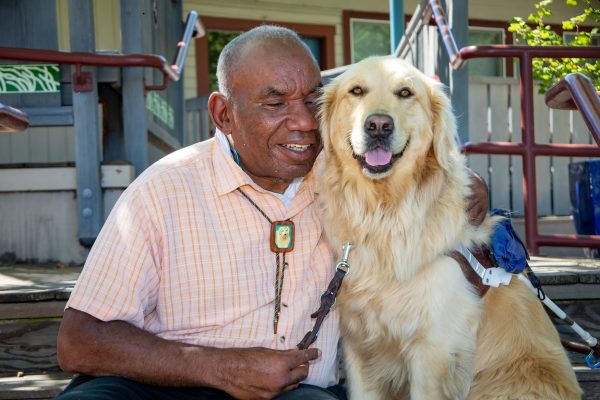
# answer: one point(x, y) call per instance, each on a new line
point(216, 42)
point(535, 32)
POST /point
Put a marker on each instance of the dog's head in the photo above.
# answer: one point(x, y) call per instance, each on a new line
point(284, 232)
point(383, 114)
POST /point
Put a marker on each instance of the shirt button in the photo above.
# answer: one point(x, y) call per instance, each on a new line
point(284, 304)
point(282, 339)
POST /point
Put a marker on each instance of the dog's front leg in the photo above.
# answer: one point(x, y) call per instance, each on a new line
point(355, 374)
point(437, 374)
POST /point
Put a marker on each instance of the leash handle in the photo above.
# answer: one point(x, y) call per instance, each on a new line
point(327, 298)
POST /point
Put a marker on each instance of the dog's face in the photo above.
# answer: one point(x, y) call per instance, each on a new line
point(284, 232)
point(382, 113)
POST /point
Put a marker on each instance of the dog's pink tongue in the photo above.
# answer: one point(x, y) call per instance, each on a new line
point(378, 156)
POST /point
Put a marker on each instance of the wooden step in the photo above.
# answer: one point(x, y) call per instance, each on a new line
point(32, 299)
point(37, 386)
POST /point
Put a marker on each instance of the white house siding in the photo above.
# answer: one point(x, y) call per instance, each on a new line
point(494, 115)
point(306, 12)
point(38, 145)
point(107, 24)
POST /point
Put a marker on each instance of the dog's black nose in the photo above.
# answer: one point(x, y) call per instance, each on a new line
point(379, 125)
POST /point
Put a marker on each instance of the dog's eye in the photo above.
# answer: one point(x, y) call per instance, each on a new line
point(404, 92)
point(357, 91)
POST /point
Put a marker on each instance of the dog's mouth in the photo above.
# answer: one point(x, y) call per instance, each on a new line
point(379, 159)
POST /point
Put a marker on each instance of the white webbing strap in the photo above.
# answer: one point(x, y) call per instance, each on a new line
point(489, 276)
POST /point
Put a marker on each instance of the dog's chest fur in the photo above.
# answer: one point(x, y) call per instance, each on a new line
point(398, 270)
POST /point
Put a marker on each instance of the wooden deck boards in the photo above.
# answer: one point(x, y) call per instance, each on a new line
point(32, 299)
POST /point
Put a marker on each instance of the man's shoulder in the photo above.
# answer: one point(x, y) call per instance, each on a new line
point(191, 162)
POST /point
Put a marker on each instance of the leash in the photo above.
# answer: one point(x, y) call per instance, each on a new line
point(592, 350)
point(483, 274)
point(327, 298)
point(481, 270)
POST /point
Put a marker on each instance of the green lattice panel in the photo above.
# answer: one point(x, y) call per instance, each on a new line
point(43, 78)
point(160, 108)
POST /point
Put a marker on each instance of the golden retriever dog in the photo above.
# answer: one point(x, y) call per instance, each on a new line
point(395, 185)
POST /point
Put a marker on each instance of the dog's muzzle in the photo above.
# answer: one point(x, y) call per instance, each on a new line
point(379, 126)
point(378, 158)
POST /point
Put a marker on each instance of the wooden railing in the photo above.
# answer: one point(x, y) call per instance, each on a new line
point(170, 71)
point(12, 120)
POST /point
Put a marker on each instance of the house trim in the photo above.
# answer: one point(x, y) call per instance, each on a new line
point(325, 33)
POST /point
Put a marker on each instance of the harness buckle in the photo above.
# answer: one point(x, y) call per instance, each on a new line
point(496, 277)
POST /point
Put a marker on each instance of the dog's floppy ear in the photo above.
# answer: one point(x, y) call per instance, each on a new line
point(444, 124)
point(326, 104)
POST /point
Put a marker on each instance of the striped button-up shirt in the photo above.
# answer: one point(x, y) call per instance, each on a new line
point(185, 256)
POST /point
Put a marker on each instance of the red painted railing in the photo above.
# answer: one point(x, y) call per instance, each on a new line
point(586, 100)
point(12, 119)
point(171, 71)
point(581, 95)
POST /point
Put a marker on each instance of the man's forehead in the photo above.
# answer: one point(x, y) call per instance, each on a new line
point(283, 90)
point(276, 71)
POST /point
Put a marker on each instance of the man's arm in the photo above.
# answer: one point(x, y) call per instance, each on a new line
point(479, 200)
point(94, 347)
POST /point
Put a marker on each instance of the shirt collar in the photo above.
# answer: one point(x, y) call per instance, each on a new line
point(228, 175)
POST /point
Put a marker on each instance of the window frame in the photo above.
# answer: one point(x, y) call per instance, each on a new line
point(325, 34)
point(347, 17)
point(503, 31)
point(351, 23)
point(573, 34)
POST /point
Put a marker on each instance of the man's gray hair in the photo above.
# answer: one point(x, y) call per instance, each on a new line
point(229, 55)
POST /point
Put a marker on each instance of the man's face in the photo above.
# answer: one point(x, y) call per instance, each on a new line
point(272, 112)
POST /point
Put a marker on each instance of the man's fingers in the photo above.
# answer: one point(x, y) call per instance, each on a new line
point(304, 356)
point(299, 373)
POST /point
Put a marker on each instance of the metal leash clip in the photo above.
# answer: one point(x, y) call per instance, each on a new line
point(343, 265)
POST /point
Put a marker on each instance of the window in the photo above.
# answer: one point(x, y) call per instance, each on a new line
point(220, 31)
point(368, 37)
point(569, 36)
point(486, 66)
point(218, 39)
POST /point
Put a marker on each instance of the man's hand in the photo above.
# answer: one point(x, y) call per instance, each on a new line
point(94, 347)
point(260, 373)
point(479, 199)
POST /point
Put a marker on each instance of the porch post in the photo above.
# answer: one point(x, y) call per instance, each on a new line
point(90, 213)
point(458, 15)
point(135, 129)
point(396, 23)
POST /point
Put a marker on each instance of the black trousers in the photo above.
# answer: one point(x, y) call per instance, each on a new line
point(115, 388)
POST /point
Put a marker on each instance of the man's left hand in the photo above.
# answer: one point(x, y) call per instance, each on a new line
point(478, 201)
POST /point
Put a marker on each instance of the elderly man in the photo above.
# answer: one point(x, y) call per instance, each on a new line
point(185, 293)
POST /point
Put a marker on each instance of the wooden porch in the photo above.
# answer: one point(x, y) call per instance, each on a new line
point(32, 299)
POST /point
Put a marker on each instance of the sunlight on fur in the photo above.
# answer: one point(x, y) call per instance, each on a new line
point(395, 186)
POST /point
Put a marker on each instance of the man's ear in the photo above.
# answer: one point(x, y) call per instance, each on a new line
point(219, 110)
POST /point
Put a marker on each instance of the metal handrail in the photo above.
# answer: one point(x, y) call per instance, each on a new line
point(12, 119)
point(528, 149)
point(170, 71)
point(576, 92)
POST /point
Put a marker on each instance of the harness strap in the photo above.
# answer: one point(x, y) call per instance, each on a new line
point(469, 273)
point(476, 267)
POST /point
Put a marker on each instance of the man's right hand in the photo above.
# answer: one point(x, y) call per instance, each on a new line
point(94, 347)
point(263, 373)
